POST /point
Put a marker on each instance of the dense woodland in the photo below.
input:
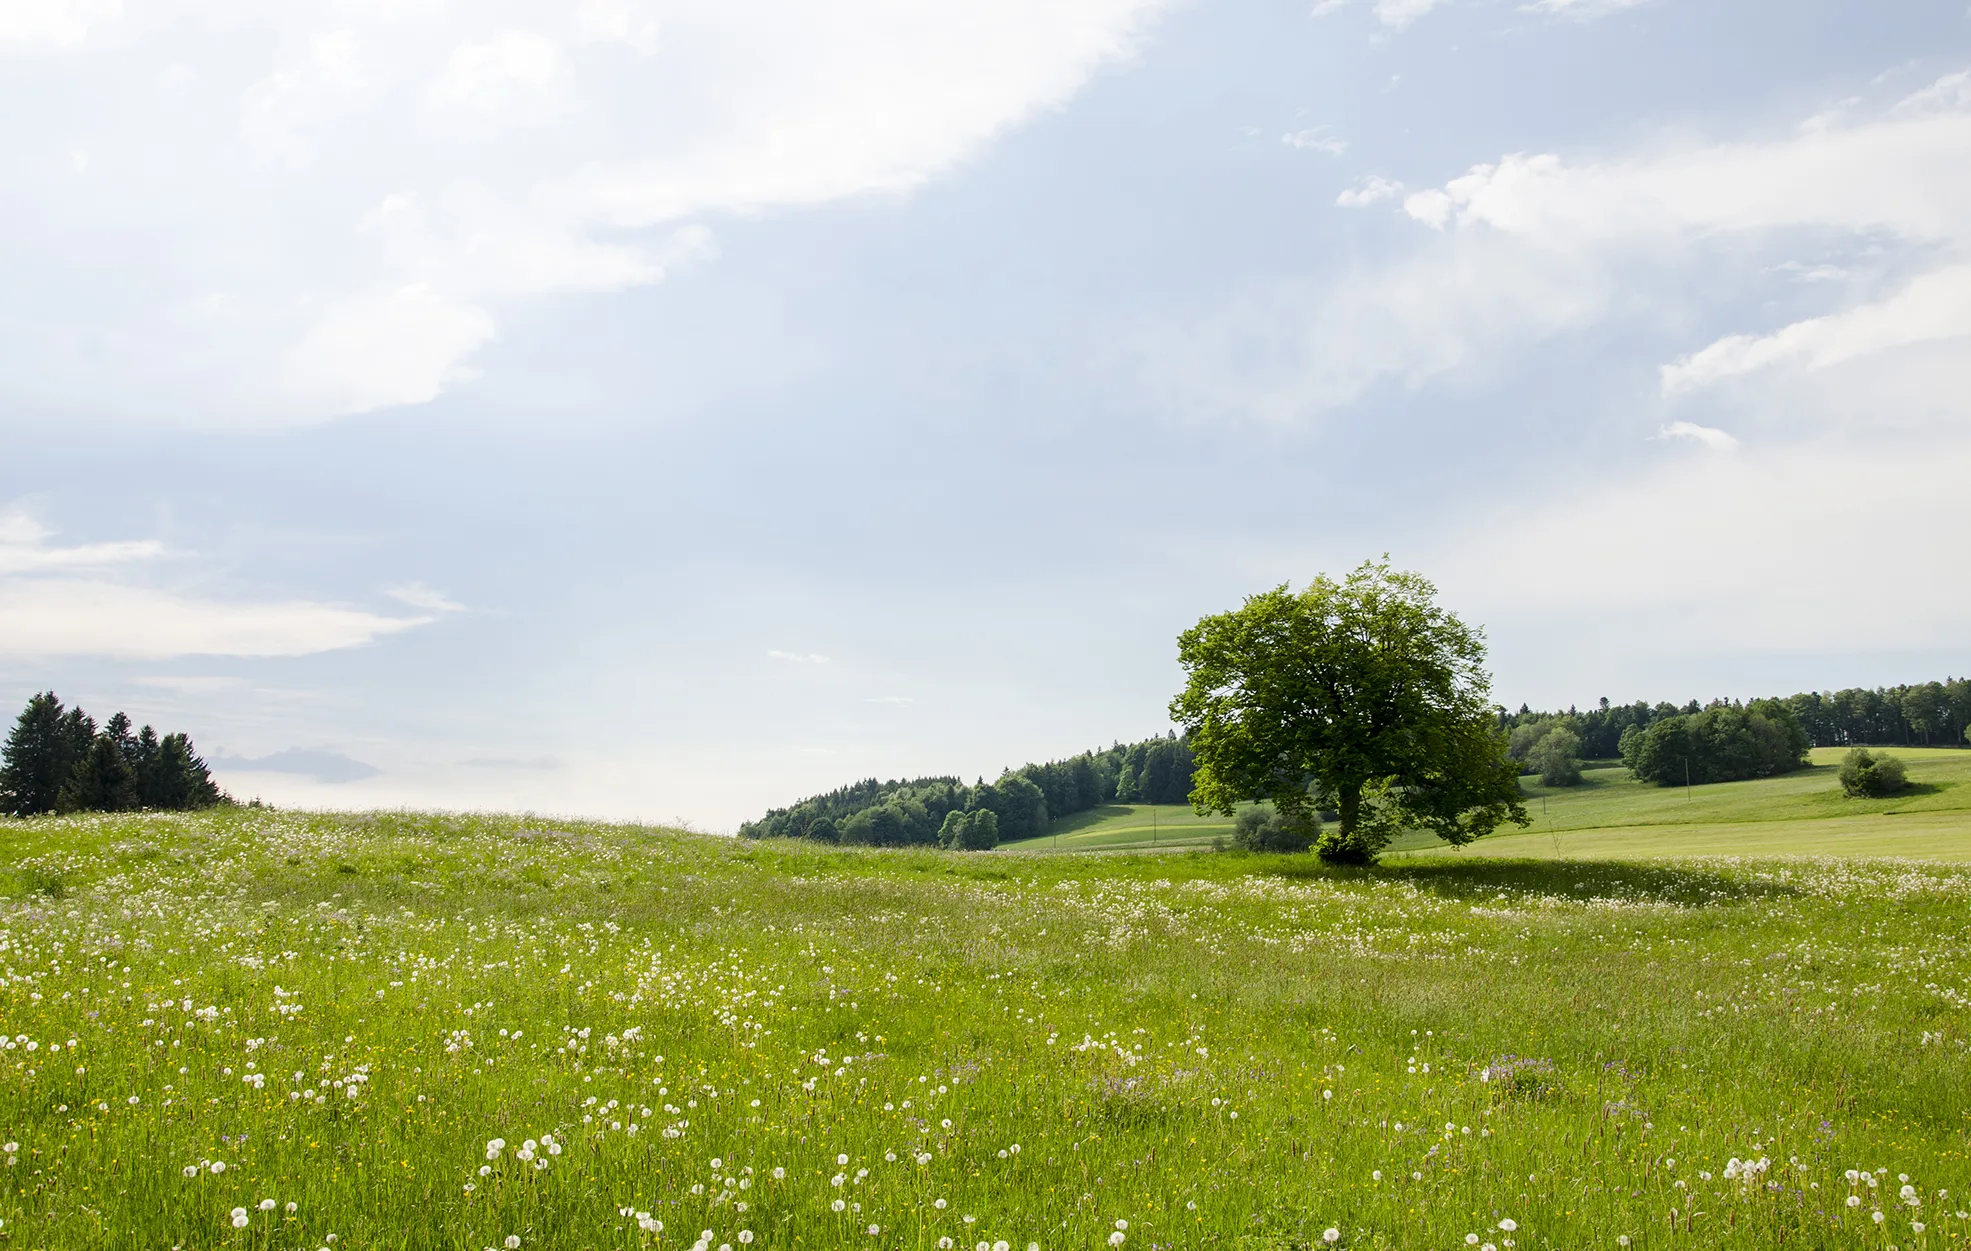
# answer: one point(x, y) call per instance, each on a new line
point(56, 759)
point(1021, 802)
point(1728, 741)
point(1928, 714)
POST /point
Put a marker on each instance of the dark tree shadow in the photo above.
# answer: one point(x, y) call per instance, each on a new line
point(1474, 879)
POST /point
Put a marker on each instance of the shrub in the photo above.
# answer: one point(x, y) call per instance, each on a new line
point(977, 830)
point(1556, 757)
point(1868, 776)
point(1261, 829)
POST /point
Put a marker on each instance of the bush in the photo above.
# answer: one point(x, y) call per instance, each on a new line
point(1261, 829)
point(1866, 776)
point(1556, 757)
point(977, 830)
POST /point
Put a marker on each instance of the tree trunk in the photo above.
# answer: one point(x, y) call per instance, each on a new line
point(1342, 847)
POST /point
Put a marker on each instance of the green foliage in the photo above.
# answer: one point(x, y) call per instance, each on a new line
point(102, 780)
point(1157, 770)
point(970, 831)
point(1868, 776)
point(1018, 805)
point(1556, 757)
point(40, 756)
point(54, 760)
point(1362, 696)
point(1722, 743)
point(1265, 829)
point(1929, 712)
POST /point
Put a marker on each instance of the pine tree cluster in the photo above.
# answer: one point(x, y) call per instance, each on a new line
point(57, 760)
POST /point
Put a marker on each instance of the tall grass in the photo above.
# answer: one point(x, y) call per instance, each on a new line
point(258, 1030)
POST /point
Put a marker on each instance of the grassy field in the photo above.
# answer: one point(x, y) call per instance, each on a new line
point(1610, 815)
point(260, 1030)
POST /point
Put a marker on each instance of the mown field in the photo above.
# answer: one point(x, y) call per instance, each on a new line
point(1612, 815)
point(250, 1029)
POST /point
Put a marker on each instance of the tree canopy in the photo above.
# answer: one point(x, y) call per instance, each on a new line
point(1360, 696)
point(1721, 743)
point(1555, 756)
point(1909, 715)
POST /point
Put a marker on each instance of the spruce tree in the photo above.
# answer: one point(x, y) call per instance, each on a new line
point(41, 754)
point(178, 780)
point(143, 766)
point(102, 780)
point(118, 729)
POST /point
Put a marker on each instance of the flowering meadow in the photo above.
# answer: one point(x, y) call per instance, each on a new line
point(249, 1029)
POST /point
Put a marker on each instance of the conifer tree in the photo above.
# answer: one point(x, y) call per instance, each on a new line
point(102, 780)
point(118, 729)
point(143, 765)
point(40, 755)
point(179, 780)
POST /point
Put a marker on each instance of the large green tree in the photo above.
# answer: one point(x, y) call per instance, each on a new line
point(1360, 696)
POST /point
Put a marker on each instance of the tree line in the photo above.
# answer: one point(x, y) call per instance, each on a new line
point(1019, 804)
point(1924, 714)
point(1726, 741)
point(56, 759)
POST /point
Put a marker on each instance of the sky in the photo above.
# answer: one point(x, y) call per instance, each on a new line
point(666, 410)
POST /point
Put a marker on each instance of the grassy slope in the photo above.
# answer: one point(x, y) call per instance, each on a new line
point(1233, 1052)
point(1612, 815)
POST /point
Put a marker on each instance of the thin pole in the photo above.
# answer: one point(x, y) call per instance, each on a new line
point(1686, 779)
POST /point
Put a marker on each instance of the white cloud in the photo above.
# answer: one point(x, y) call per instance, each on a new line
point(63, 23)
point(61, 601)
point(1709, 436)
point(1903, 173)
point(1400, 13)
point(1371, 190)
point(1283, 352)
point(94, 618)
point(375, 350)
point(418, 595)
point(1533, 245)
point(24, 548)
point(623, 21)
point(358, 193)
point(1315, 139)
point(889, 699)
point(1949, 94)
point(511, 68)
point(797, 658)
point(1724, 554)
point(1813, 273)
point(1934, 306)
point(1582, 8)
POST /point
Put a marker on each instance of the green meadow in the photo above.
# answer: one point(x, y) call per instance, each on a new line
point(249, 1029)
point(1610, 815)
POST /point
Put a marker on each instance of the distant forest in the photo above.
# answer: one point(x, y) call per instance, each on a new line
point(56, 759)
point(1932, 714)
point(937, 811)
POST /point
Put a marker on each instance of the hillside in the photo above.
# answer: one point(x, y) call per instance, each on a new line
point(392, 1032)
point(1611, 814)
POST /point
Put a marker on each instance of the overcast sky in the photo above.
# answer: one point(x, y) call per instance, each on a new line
point(669, 409)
